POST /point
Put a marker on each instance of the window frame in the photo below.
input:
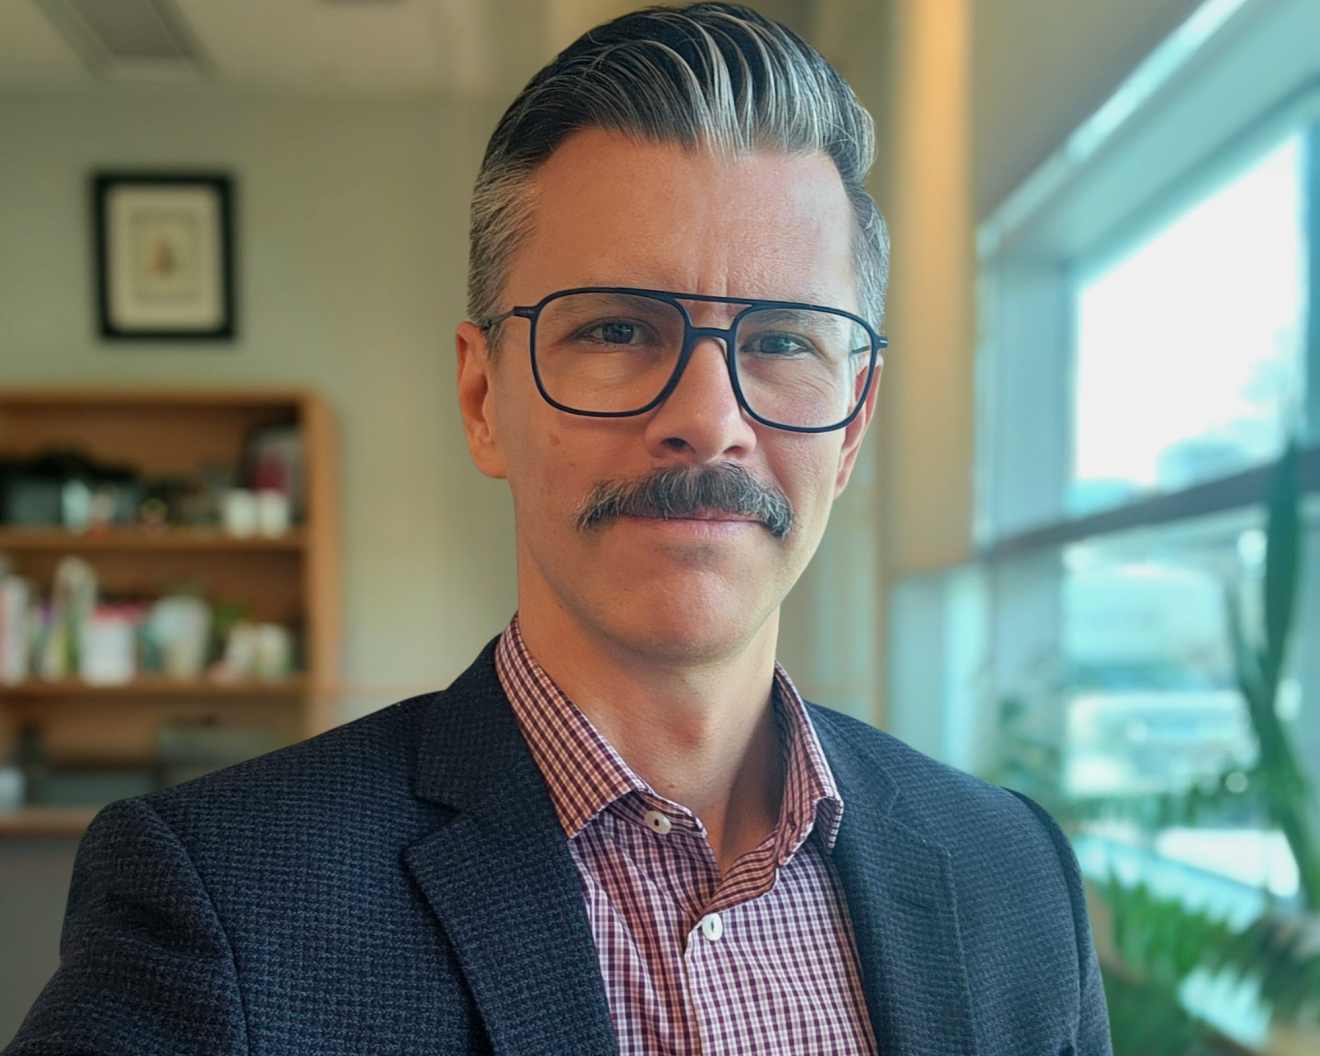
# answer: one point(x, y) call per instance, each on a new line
point(1241, 82)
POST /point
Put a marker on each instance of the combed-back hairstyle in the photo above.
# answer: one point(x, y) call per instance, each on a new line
point(712, 75)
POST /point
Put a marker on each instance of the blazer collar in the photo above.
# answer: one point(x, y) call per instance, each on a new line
point(899, 887)
point(499, 876)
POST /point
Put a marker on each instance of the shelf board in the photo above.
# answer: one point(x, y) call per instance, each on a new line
point(130, 539)
point(150, 398)
point(158, 686)
point(46, 821)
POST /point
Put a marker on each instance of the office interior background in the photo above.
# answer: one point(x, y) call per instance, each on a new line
point(1076, 497)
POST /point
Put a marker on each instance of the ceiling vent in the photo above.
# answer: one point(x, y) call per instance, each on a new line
point(129, 39)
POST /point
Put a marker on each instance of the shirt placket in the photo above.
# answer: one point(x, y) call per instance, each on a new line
point(704, 965)
point(714, 1028)
point(670, 844)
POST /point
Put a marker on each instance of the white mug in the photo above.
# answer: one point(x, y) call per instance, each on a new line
point(240, 513)
point(274, 513)
point(274, 652)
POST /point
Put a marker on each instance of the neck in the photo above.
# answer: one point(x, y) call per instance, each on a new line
point(701, 734)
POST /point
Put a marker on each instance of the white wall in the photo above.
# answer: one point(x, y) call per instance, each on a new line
point(351, 269)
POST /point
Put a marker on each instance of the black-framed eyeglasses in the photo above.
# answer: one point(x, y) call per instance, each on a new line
point(617, 351)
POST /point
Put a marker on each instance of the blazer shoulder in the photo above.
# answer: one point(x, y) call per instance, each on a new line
point(376, 741)
point(940, 801)
point(355, 784)
point(356, 778)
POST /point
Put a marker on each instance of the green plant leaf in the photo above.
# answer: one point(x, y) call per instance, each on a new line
point(1161, 942)
point(1246, 660)
point(1282, 559)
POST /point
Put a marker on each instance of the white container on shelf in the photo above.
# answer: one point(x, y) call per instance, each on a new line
point(16, 599)
point(12, 787)
point(107, 647)
point(240, 513)
point(181, 625)
point(274, 512)
point(274, 651)
point(240, 659)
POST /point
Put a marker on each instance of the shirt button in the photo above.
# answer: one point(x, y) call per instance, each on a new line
point(659, 822)
point(712, 926)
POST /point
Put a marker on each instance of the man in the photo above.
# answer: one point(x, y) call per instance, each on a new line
point(621, 830)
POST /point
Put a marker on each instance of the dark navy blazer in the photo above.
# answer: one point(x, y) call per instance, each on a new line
point(401, 885)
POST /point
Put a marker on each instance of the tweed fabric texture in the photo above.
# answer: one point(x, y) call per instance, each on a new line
point(402, 884)
point(781, 973)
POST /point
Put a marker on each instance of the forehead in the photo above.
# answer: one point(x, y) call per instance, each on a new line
point(609, 209)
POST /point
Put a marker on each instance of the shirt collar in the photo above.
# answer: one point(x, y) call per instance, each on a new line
point(585, 774)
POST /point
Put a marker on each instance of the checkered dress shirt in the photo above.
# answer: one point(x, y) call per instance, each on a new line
point(759, 961)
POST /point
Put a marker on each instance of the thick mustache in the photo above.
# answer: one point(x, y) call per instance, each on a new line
point(681, 491)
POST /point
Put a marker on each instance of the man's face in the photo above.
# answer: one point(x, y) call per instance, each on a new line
point(612, 211)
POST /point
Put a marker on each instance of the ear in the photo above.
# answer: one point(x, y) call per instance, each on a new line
point(476, 371)
point(856, 430)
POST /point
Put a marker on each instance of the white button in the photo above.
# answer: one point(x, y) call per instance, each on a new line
point(659, 822)
point(712, 926)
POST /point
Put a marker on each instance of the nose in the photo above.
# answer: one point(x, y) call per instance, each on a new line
point(701, 420)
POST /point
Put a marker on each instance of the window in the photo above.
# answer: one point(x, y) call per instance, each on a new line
point(1189, 348)
point(1151, 700)
point(1150, 339)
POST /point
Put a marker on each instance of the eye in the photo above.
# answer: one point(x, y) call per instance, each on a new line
point(617, 333)
point(610, 334)
point(777, 343)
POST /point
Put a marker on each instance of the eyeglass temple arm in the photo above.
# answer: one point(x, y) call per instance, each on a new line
point(495, 320)
point(882, 342)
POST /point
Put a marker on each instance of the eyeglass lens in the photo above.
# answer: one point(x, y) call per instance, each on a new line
point(615, 353)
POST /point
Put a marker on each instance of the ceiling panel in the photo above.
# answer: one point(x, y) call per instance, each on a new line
point(32, 52)
point(486, 48)
point(405, 47)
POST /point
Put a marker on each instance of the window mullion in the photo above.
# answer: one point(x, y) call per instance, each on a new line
point(1311, 192)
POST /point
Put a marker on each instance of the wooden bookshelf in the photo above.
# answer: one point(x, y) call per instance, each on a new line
point(46, 821)
point(292, 578)
point(21, 540)
point(157, 687)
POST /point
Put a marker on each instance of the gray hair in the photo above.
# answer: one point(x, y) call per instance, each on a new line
point(712, 75)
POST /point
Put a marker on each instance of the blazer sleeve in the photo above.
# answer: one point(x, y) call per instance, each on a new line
point(145, 965)
point(1093, 1014)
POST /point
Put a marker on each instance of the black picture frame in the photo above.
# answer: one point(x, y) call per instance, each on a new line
point(164, 256)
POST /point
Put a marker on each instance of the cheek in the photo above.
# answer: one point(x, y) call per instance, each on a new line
point(532, 451)
point(549, 475)
point(807, 470)
point(551, 470)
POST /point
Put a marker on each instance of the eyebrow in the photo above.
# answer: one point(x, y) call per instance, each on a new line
point(775, 315)
point(628, 300)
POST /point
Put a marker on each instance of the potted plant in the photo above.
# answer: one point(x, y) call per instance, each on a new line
point(1149, 944)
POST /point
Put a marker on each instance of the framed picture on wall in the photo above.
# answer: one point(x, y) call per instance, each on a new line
point(164, 256)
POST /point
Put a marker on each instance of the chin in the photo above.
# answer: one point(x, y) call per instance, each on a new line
point(690, 622)
point(679, 602)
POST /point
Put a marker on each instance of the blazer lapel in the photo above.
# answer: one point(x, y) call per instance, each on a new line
point(500, 878)
point(904, 913)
